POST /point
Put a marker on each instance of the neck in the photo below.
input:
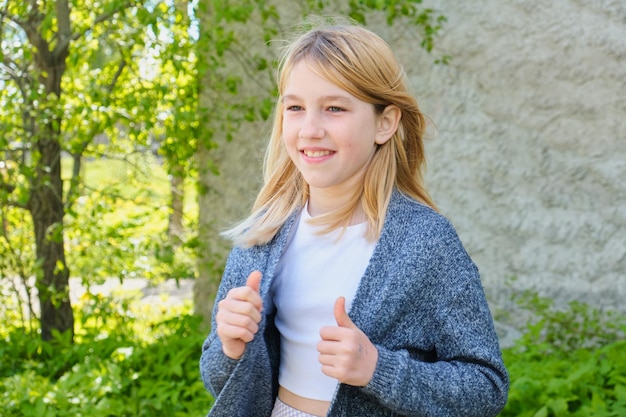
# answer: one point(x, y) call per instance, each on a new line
point(322, 201)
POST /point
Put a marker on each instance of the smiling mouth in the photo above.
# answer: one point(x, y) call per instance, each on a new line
point(316, 154)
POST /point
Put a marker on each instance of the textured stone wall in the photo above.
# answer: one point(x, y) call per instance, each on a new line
point(527, 148)
point(528, 158)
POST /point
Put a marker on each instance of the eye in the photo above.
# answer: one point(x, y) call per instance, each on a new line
point(293, 108)
point(335, 109)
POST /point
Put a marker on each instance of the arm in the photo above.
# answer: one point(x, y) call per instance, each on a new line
point(236, 314)
point(215, 366)
point(467, 378)
point(463, 373)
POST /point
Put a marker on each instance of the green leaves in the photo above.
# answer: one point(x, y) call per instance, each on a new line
point(569, 362)
point(138, 363)
point(123, 219)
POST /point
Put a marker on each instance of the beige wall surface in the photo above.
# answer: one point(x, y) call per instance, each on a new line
point(528, 158)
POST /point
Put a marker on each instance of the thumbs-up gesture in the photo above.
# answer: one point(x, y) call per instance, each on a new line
point(238, 316)
point(346, 353)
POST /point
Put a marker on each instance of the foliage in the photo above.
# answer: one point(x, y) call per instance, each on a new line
point(130, 359)
point(123, 220)
point(92, 79)
point(569, 362)
point(97, 80)
point(115, 230)
point(17, 254)
point(127, 360)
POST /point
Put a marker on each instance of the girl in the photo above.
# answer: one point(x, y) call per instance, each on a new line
point(346, 293)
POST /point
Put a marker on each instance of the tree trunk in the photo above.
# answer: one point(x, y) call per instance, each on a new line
point(45, 203)
point(212, 249)
point(47, 211)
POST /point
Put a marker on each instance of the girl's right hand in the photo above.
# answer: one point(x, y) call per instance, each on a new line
point(238, 316)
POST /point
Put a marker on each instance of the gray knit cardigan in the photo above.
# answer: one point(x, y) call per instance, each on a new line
point(420, 302)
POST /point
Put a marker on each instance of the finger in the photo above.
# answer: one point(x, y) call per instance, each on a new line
point(341, 317)
point(254, 280)
point(248, 292)
point(328, 347)
point(243, 308)
point(254, 283)
point(326, 359)
point(228, 332)
point(235, 326)
point(333, 333)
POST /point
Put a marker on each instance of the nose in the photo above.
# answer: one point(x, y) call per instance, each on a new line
point(312, 127)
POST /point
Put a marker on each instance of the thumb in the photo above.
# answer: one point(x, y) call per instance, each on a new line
point(254, 280)
point(342, 318)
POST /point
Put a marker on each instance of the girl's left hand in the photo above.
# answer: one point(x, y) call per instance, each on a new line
point(346, 353)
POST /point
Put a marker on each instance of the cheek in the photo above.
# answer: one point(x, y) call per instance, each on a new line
point(288, 131)
point(361, 151)
point(290, 143)
point(288, 139)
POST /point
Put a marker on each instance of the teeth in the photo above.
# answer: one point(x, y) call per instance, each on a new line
point(316, 154)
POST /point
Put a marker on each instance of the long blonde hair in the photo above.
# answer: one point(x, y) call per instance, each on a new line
point(360, 62)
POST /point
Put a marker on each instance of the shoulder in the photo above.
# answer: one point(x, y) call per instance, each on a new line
point(421, 239)
point(414, 228)
point(413, 218)
point(258, 256)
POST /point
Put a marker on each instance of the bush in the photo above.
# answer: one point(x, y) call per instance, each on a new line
point(144, 364)
point(569, 362)
point(139, 360)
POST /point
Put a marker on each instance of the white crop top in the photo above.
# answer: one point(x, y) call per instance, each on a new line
point(313, 272)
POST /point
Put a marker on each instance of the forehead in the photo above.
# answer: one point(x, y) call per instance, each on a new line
point(306, 78)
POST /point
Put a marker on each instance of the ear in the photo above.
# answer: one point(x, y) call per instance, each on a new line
point(388, 123)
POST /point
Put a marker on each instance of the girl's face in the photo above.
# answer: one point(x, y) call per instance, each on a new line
point(330, 135)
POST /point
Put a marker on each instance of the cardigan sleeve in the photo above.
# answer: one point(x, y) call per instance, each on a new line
point(217, 369)
point(215, 366)
point(468, 377)
point(464, 375)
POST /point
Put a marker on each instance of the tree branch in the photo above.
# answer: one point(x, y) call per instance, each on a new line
point(9, 68)
point(73, 192)
point(9, 188)
point(77, 156)
point(118, 73)
point(16, 73)
point(64, 42)
point(5, 14)
point(31, 28)
point(64, 25)
point(13, 203)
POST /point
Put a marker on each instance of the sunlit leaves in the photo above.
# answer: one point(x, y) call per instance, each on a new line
point(129, 359)
point(129, 62)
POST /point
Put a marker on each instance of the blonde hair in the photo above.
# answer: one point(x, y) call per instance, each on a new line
point(360, 62)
